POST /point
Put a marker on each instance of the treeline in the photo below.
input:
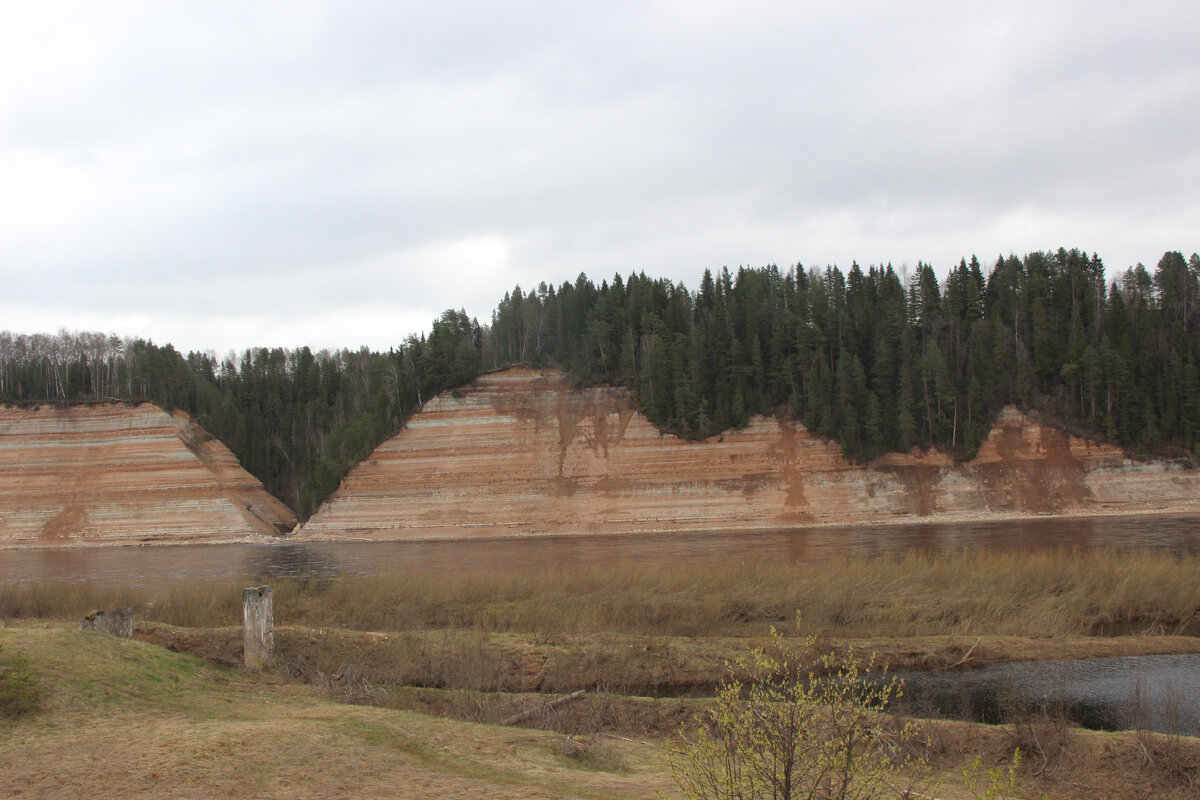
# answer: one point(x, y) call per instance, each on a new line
point(296, 420)
point(880, 361)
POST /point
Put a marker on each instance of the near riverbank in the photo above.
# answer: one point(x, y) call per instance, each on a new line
point(133, 719)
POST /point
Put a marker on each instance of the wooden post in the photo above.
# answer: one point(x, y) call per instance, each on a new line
point(258, 626)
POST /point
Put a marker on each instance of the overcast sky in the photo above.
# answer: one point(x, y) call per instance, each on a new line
point(229, 174)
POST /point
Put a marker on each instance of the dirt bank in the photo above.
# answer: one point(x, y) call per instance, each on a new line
point(522, 452)
point(124, 474)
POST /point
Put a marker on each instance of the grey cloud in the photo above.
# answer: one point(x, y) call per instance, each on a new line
point(327, 155)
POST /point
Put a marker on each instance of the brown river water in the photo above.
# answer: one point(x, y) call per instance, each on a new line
point(155, 567)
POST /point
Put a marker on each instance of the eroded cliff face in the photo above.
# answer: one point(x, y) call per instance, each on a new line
point(520, 451)
point(124, 474)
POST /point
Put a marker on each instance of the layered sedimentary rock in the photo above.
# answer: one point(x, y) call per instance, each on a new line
point(117, 473)
point(521, 451)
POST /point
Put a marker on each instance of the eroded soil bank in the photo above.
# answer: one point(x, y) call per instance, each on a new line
point(124, 474)
point(523, 452)
point(651, 666)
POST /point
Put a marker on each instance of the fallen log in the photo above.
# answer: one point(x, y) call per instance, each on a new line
point(518, 718)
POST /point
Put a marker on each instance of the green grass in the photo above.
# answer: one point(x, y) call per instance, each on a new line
point(20, 690)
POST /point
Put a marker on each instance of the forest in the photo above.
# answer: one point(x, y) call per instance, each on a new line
point(876, 359)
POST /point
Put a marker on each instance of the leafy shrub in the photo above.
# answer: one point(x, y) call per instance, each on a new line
point(791, 724)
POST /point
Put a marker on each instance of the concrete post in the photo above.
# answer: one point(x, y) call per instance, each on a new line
point(258, 631)
point(118, 622)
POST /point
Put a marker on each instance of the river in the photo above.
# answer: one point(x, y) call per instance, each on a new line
point(152, 567)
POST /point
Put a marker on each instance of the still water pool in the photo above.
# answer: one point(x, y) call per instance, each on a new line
point(1158, 693)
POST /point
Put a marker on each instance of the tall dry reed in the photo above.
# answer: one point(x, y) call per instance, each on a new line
point(968, 593)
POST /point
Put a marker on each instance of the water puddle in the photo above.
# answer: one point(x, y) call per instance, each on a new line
point(1157, 693)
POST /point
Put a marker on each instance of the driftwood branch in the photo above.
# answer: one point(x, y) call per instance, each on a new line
point(517, 719)
point(967, 656)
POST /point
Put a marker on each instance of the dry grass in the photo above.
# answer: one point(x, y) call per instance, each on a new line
point(131, 719)
point(128, 719)
point(350, 663)
point(1063, 593)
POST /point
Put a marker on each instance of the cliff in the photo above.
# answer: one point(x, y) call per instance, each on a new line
point(520, 451)
point(124, 474)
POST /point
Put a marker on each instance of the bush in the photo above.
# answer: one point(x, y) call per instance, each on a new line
point(798, 723)
point(20, 691)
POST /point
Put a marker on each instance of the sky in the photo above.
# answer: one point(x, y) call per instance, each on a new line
point(222, 175)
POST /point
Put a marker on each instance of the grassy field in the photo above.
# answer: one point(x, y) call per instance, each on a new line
point(396, 688)
point(126, 718)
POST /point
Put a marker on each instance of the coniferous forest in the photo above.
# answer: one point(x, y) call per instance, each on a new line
point(877, 360)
